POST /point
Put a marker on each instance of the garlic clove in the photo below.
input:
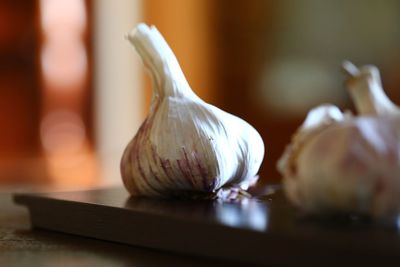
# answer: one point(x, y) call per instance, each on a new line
point(185, 146)
point(317, 120)
point(347, 163)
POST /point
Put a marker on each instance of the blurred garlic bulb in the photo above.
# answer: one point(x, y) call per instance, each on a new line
point(339, 162)
point(185, 146)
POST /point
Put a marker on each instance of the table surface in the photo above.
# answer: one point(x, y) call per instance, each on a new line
point(288, 236)
point(21, 246)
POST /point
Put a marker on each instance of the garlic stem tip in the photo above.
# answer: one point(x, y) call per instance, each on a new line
point(141, 28)
point(350, 68)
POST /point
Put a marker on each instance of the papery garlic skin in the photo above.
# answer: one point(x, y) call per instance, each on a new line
point(185, 145)
point(317, 120)
point(344, 169)
point(348, 164)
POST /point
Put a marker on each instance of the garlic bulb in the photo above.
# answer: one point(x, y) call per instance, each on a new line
point(185, 146)
point(339, 162)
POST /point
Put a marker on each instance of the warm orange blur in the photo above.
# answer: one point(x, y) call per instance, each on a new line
point(60, 150)
point(64, 71)
point(265, 61)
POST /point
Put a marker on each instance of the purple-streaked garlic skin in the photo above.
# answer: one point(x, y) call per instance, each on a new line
point(185, 145)
point(350, 164)
point(186, 164)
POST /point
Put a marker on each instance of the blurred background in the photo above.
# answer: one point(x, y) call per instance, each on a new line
point(73, 91)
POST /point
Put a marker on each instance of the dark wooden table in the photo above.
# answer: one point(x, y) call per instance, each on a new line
point(21, 246)
point(264, 230)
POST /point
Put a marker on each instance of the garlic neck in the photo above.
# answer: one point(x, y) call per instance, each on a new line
point(158, 57)
point(367, 93)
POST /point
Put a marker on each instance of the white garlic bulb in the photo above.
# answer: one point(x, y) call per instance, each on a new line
point(347, 163)
point(185, 145)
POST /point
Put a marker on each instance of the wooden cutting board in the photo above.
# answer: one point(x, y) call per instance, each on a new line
point(266, 231)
